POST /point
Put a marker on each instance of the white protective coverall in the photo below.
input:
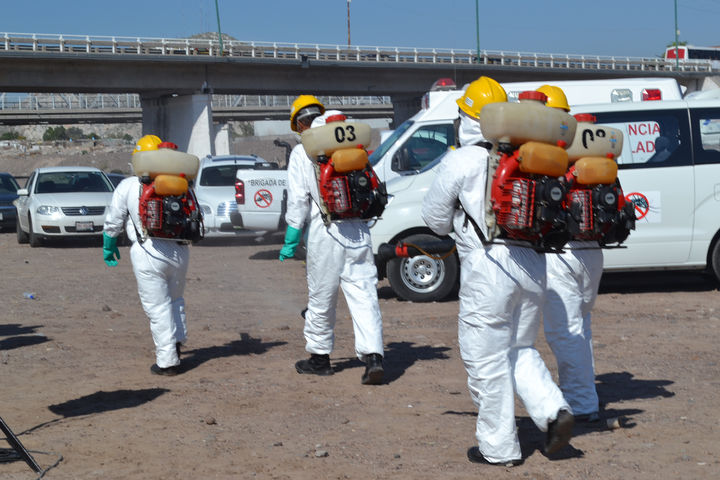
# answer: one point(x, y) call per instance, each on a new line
point(502, 288)
point(573, 279)
point(339, 254)
point(160, 267)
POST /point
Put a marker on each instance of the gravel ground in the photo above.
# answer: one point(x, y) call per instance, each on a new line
point(74, 364)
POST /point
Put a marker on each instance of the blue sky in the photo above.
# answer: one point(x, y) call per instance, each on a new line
point(607, 27)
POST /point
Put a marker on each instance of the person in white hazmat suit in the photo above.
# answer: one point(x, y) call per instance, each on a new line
point(338, 255)
point(160, 266)
point(573, 280)
point(502, 287)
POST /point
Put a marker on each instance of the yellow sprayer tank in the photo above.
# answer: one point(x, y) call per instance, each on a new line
point(152, 163)
point(542, 159)
point(596, 170)
point(526, 121)
point(324, 140)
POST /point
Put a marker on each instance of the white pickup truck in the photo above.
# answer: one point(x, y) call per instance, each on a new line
point(261, 197)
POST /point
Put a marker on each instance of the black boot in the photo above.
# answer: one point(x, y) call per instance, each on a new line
point(316, 365)
point(373, 370)
point(167, 371)
point(559, 432)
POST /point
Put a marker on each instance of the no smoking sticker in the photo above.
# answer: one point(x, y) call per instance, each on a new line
point(263, 198)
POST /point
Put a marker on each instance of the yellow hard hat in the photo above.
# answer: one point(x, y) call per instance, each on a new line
point(147, 142)
point(555, 97)
point(479, 93)
point(302, 102)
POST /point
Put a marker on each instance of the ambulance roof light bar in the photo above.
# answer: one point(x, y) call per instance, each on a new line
point(443, 84)
point(651, 94)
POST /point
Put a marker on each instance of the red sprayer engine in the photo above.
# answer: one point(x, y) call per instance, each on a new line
point(527, 195)
point(347, 183)
point(595, 202)
point(526, 185)
point(168, 207)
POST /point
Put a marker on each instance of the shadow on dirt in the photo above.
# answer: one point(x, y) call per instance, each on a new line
point(239, 240)
point(621, 386)
point(12, 329)
point(387, 293)
point(20, 336)
point(19, 342)
point(657, 281)
point(245, 346)
point(71, 242)
point(399, 356)
point(106, 401)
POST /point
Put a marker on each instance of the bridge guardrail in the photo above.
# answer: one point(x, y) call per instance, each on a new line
point(110, 45)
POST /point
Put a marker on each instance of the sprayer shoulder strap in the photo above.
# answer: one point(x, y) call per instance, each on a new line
point(140, 237)
point(469, 218)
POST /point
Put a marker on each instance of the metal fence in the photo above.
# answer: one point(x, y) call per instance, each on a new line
point(104, 101)
point(110, 45)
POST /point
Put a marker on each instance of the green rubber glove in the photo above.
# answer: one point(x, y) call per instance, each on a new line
point(292, 240)
point(111, 254)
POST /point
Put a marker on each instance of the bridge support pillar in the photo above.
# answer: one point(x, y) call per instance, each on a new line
point(404, 107)
point(185, 120)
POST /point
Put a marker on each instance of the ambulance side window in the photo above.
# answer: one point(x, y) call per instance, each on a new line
point(657, 138)
point(424, 145)
point(706, 129)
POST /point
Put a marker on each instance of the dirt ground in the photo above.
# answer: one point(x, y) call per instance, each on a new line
point(75, 378)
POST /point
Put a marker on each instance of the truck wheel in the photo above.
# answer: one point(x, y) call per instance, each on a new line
point(421, 278)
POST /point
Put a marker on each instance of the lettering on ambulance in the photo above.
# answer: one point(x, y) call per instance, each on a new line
point(641, 138)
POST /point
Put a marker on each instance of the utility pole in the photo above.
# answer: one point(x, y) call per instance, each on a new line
point(477, 29)
point(677, 60)
point(348, 20)
point(217, 12)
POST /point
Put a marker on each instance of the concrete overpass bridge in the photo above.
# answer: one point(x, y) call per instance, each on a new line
point(175, 78)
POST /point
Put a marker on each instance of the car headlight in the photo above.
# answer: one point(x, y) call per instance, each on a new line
point(49, 210)
point(206, 210)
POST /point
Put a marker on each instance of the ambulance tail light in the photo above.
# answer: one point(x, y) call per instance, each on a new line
point(240, 192)
point(651, 94)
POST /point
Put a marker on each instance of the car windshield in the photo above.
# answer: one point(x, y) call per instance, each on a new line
point(388, 143)
point(8, 185)
point(72, 182)
point(221, 175)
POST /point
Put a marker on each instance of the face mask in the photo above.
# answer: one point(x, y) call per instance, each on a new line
point(469, 132)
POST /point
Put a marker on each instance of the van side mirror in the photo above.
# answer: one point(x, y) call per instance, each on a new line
point(400, 160)
point(22, 192)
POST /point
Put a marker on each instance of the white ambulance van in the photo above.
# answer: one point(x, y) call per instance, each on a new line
point(670, 169)
point(422, 278)
point(429, 133)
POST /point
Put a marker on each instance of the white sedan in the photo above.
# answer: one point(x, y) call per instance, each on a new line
point(62, 201)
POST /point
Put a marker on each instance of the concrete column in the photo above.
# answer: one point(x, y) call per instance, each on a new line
point(185, 120)
point(222, 139)
point(404, 107)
